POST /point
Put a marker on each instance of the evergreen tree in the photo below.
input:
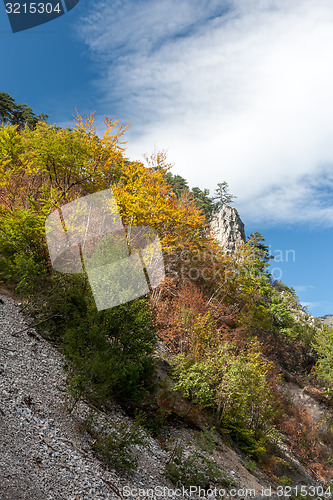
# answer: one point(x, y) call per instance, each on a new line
point(204, 201)
point(222, 195)
point(18, 114)
point(260, 250)
point(177, 183)
point(7, 105)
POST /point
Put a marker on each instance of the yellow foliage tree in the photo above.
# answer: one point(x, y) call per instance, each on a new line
point(50, 166)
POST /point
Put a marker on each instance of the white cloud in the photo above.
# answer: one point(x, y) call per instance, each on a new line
point(310, 305)
point(242, 94)
point(303, 288)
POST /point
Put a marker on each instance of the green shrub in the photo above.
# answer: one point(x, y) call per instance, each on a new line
point(206, 440)
point(158, 410)
point(323, 345)
point(22, 248)
point(195, 380)
point(117, 445)
point(234, 386)
point(289, 318)
point(250, 465)
point(285, 481)
point(251, 442)
point(108, 352)
point(194, 469)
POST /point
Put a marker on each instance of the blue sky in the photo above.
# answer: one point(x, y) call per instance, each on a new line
point(237, 90)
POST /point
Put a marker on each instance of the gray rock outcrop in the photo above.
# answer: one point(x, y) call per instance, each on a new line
point(328, 319)
point(228, 228)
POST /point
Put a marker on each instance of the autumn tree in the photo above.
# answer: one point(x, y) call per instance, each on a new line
point(44, 168)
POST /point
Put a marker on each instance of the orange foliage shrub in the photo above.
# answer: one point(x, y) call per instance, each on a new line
point(304, 438)
point(175, 306)
point(185, 317)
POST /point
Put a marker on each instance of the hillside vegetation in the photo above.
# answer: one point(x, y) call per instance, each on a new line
point(231, 337)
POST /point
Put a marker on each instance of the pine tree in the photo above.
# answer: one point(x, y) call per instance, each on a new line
point(222, 195)
point(18, 114)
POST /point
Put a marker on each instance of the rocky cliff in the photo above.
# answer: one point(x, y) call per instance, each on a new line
point(328, 319)
point(228, 228)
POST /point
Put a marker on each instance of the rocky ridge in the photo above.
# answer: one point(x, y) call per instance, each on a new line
point(328, 319)
point(228, 228)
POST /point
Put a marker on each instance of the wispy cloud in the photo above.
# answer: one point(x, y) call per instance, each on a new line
point(241, 93)
point(310, 305)
point(302, 288)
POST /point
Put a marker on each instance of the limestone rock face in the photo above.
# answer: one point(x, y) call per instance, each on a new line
point(328, 319)
point(228, 228)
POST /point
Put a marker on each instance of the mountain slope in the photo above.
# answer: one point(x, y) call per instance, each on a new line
point(43, 454)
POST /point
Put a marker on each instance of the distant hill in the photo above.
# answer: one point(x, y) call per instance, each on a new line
point(328, 319)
